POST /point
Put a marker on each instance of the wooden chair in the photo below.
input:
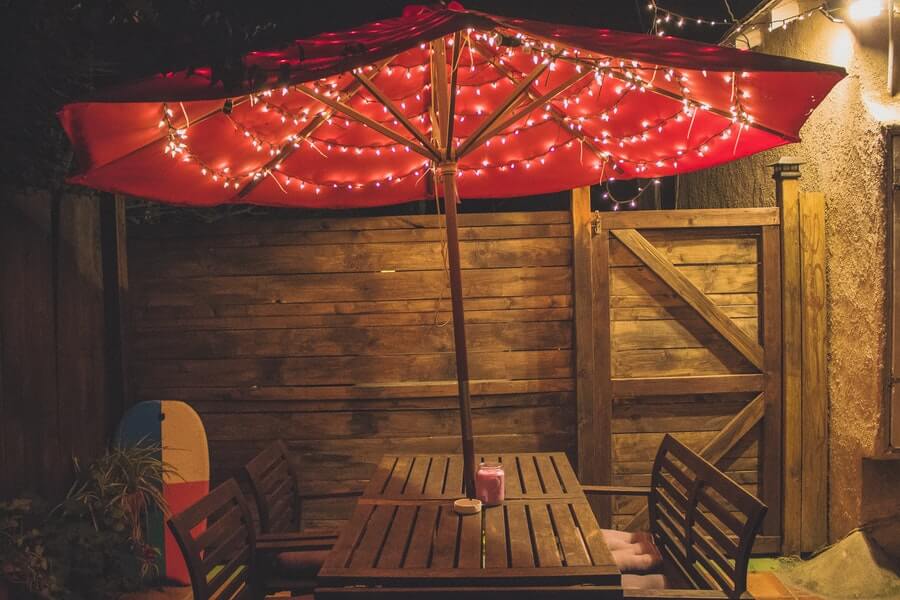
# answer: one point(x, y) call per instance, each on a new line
point(291, 557)
point(221, 561)
point(702, 522)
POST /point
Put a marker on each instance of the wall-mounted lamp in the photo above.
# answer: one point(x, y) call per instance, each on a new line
point(861, 10)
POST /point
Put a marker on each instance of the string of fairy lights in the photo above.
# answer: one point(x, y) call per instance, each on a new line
point(663, 19)
point(610, 151)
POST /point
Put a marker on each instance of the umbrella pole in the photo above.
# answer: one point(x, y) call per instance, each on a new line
point(447, 173)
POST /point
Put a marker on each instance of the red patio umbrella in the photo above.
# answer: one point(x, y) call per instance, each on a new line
point(445, 101)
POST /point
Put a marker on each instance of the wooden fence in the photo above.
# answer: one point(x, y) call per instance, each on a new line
point(592, 335)
point(686, 325)
point(335, 335)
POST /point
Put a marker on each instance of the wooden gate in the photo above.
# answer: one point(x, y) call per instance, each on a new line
point(686, 323)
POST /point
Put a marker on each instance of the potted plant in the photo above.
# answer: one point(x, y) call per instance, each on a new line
point(91, 545)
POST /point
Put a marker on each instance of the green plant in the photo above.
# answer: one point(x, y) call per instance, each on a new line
point(92, 545)
point(23, 551)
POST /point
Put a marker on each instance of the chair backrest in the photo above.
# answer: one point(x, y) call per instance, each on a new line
point(273, 483)
point(704, 522)
point(221, 559)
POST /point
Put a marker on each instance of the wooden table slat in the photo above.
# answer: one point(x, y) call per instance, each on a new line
point(511, 476)
point(470, 549)
point(519, 538)
point(366, 553)
point(566, 474)
point(397, 482)
point(544, 540)
point(340, 553)
point(453, 486)
point(593, 536)
point(415, 485)
point(444, 551)
point(397, 541)
point(549, 477)
point(434, 485)
point(495, 537)
point(531, 483)
point(420, 542)
point(573, 546)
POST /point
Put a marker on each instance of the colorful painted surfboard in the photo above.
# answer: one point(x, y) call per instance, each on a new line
point(177, 428)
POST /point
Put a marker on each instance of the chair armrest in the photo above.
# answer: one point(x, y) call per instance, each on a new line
point(616, 490)
point(305, 534)
point(277, 543)
point(326, 495)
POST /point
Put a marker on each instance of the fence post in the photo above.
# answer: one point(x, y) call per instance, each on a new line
point(805, 394)
point(786, 173)
point(589, 446)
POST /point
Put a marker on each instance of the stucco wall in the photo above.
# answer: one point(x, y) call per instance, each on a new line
point(844, 152)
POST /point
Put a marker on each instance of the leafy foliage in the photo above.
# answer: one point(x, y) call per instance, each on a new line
point(92, 545)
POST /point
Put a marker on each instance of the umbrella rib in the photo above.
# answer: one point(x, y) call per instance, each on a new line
point(369, 122)
point(439, 90)
point(662, 92)
point(517, 93)
point(555, 113)
point(535, 102)
point(454, 74)
point(349, 90)
point(392, 108)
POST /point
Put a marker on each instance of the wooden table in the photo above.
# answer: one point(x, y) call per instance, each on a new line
point(405, 541)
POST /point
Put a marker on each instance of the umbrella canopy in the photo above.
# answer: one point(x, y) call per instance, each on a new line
point(576, 106)
point(440, 101)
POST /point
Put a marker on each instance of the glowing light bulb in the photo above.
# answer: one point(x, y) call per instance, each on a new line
point(865, 9)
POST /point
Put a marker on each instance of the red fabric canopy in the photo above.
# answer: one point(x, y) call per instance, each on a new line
point(626, 106)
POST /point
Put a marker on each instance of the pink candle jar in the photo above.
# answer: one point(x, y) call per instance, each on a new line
point(490, 483)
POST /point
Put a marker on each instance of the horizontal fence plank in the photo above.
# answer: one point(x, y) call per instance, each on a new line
point(549, 364)
point(194, 230)
point(690, 250)
point(347, 258)
point(691, 384)
point(362, 307)
point(675, 219)
point(348, 287)
point(354, 341)
point(709, 279)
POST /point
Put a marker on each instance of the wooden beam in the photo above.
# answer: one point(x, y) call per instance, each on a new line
point(392, 108)
point(787, 196)
point(770, 333)
point(351, 112)
point(678, 219)
point(687, 386)
point(603, 396)
point(454, 75)
point(584, 336)
point(813, 371)
point(718, 447)
point(504, 107)
point(439, 91)
point(682, 286)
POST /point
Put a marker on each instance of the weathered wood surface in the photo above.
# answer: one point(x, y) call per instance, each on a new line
point(694, 315)
point(788, 191)
point(336, 336)
point(814, 376)
point(439, 476)
point(53, 347)
point(415, 540)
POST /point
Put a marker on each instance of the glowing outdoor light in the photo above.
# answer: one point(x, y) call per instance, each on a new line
point(860, 10)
